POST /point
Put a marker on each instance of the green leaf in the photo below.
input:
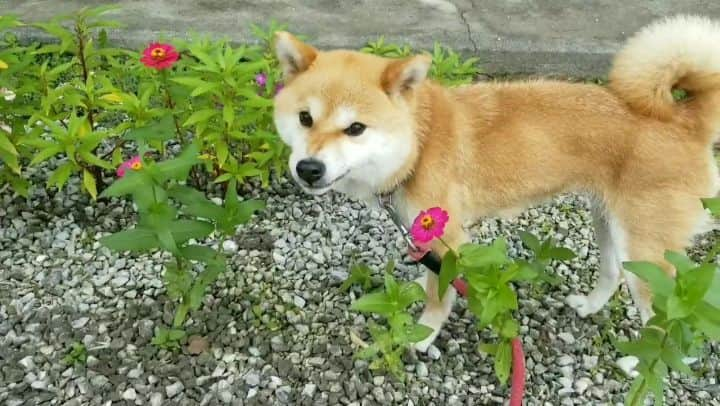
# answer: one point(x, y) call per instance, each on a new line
point(448, 272)
point(221, 148)
point(561, 253)
point(712, 296)
point(659, 282)
point(503, 361)
point(89, 183)
point(677, 308)
point(418, 332)
point(673, 357)
point(94, 160)
point(510, 329)
point(46, 154)
point(487, 348)
point(712, 204)
point(176, 334)
point(200, 115)
point(136, 239)
point(530, 241)
point(60, 175)
point(162, 130)
point(11, 161)
point(696, 282)
point(410, 292)
point(638, 392)
point(681, 262)
point(228, 114)
point(707, 320)
point(183, 230)
point(646, 348)
point(199, 253)
point(377, 302)
point(190, 81)
point(196, 294)
point(179, 168)
point(391, 287)
point(478, 256)
point(7, 145)
point(128, 184)
point(368, 352)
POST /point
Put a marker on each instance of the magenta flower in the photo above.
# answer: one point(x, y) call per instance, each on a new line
point(159, 56)
point(133, 163)
point(278, 88)
point(261, 79)
point(429, 225)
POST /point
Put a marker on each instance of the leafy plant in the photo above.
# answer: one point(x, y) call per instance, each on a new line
point(390, 343)
point(83, 102)
point(77, 355)
point(447, 67)
point(686, 316)
point(171, 217)
point(360, 274)
point(490, 274)
point(73, 95)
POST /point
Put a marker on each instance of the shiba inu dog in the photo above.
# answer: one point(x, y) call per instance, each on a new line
point(365, 125)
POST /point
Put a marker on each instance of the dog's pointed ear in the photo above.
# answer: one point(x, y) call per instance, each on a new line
point(294, 55)
point(402, 75)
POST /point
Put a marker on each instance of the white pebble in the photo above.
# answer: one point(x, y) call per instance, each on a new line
point(565, 360)
point(567, 338)
point(433, 352)
point(582, 384)
point(230, 246)
point(129, 394)
point(174, 389)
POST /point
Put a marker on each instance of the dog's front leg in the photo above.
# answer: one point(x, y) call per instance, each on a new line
point(437, 310)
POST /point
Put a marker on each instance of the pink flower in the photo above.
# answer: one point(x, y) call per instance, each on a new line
point(133, 163)
point(159, 56)
point(261, 79)
point(429, 225)
point(278, 88)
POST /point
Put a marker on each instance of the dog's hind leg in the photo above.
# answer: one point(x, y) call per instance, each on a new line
point(650, 228)
point(609, 272)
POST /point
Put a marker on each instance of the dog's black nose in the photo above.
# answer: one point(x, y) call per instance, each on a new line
point(310, 170)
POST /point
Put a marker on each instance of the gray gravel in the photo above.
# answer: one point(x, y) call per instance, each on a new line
point(276, 325)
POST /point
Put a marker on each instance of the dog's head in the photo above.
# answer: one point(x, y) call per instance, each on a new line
point(347, 116)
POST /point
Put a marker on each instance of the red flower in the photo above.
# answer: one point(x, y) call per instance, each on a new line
point(133, 163)
point(159, 56)
point(429, 225)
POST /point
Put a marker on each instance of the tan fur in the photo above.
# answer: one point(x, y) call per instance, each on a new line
point(487, 148)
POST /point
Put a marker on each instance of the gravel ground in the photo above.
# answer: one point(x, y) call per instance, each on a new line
point(276, 325)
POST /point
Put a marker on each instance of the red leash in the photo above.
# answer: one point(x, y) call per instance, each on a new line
point(517, 382)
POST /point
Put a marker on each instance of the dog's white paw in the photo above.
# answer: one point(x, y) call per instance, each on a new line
point(628, 365)
point(434, 321)
point(582, 305)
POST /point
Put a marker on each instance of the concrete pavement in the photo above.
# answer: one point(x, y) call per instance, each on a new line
point(571, 37)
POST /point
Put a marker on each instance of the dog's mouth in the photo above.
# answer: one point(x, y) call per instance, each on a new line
point(320, 189)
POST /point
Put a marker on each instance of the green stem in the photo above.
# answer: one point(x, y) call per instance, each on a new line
point(447, 246)
point(712, 254)
point(171, 105)
point(635, 400)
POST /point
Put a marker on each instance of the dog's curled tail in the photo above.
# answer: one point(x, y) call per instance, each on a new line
point(680, 52)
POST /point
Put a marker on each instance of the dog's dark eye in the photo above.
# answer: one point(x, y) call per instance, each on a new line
point(306, 119)
point(355, 129)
